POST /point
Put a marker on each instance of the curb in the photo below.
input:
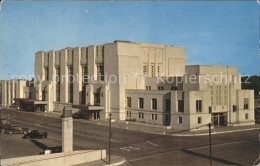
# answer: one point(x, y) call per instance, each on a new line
point(115, 164)
point(220, 132)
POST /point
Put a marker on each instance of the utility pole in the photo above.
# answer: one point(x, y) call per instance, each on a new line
point(210, 144)
point(109, 143)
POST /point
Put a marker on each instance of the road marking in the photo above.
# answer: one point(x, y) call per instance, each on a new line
point(152, 143)
point(154, 155)
point(129, 148)
point(36, 124)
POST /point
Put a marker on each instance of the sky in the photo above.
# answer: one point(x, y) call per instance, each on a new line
point(213, 33)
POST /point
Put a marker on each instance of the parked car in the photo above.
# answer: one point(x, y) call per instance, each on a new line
point(54, 149)
point(35, 134)
point(16, 130)
point(3, 127)
point(4, 121)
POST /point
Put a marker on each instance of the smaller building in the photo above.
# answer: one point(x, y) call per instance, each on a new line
point(20, 94)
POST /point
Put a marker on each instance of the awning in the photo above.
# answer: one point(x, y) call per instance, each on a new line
point(88, 107)
point(31, 101)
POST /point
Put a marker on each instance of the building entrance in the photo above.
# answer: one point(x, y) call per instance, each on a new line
point(219, 119)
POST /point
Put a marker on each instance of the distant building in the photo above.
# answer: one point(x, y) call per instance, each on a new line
point(142, 82)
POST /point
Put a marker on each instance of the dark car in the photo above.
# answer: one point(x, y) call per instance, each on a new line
point(54, 149)
point(36, 134)
point(16, 130)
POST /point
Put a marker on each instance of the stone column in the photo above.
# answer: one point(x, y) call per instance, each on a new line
point(67, 134)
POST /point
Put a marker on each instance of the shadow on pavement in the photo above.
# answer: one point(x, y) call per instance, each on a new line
point(208, 157)
point(39, 144)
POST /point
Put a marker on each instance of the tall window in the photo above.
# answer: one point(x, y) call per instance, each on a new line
point(154, 104)
point(246, 116)
point(46, 73)
point(100, 72)
point(97, 99)
point(70, 71)
point(246, 103)
point(152, 71)
point(198, 105)
point(199, 120)
point(180, 120)
point(180, 106)
point(128, 102)
point(84, 83)
point(159, 70)
point(141, 103)
point(145, 69)
point(58, 84)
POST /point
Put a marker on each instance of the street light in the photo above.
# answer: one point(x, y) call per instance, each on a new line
point(109, 143)
point(210, 143)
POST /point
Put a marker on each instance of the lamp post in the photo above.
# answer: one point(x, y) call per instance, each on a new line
point(109, 143)
point(210, 143)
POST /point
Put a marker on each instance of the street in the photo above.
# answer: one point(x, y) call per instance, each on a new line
point(139, 148)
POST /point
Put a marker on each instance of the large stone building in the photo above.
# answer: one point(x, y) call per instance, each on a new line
point(143, 82)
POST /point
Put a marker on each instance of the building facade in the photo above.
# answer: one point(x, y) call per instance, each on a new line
point(142, 82)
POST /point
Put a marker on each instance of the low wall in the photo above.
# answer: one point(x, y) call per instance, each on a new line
point(62, 159)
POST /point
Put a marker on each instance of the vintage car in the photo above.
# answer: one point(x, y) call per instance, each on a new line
point(36, 134)
point(15, 130)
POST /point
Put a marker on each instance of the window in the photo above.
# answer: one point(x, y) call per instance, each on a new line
point(70, 87)
point(97, 99)
point(128, 113)
point(84, 83)
point(246, 116)
point(159, 70)
point(160, 87)
point(141, 103)
point(148, 87)
point(100, 72)
point(141, 115)
point(199, 120)
point(154, 116)
point(128, 102)
point(46, 74)
point(152, 71)
point(198, 105)
point(154, 104)
point(174, 87)
point(58, 84)
point(145, 69)
point(246, 103)
point(180, 120)
point(180, 106)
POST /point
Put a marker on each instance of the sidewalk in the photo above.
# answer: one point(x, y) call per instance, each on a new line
point(115, 160)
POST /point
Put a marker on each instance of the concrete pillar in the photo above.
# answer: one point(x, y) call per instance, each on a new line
point(67, 134)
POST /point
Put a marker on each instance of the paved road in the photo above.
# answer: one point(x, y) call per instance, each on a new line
point(139, 148)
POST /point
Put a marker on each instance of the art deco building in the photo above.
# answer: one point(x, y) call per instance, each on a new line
point(142, 82)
